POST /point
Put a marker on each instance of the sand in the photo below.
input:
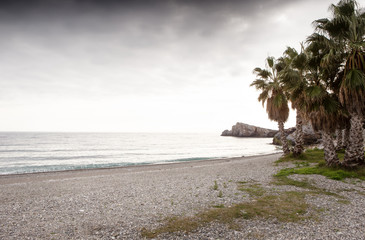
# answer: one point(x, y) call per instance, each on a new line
point(117, 203)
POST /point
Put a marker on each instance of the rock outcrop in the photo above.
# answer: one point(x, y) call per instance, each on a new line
point(309, 135)
point(246, 130)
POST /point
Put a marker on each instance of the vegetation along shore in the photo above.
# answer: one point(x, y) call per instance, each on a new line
point(325, 83)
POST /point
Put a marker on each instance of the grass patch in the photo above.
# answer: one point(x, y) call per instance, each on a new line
point(321, 169)
point(282, 177)
point(253, 189)
point(173, 224)
point(220, 194)
point(286, 207)
point(283, 206)
point(310, 156)
point(317, 156)
point(284, 180)
point(215, 186)
point(219, 206)
point(242, 182)
point(344, 201)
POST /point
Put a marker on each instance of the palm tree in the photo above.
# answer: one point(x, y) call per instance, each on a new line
point(342, 131)
point(322, 106)
point(272, 93)
point(293, 77)
point(326, 61)
point(346, 29)
point(346, 134)
point(323, 110)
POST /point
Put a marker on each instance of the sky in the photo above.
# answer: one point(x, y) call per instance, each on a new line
point(143, 65)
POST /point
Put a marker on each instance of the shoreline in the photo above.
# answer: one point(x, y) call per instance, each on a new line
point(102, 203)
point(132, 166)
point(117, 203)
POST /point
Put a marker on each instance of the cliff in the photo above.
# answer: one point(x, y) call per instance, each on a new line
point(246, 130)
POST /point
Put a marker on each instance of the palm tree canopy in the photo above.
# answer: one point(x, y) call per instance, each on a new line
point(272, 92)
point(323, 109)
point(343, 38)
point(294, 75)
point(347, 23)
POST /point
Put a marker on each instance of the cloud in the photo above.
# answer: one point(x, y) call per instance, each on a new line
point(90, 51)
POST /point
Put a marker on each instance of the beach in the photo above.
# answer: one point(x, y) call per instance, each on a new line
point(117, 203)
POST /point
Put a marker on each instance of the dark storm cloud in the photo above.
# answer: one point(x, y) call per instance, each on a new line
point(49, 40)
point(146, 20)
point(18, 9)
point(204, 16)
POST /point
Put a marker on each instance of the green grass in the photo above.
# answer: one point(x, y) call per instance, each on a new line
point(316, 156)
point(344, 201)
point(242, 182)
point(218, 206)
point(215, 186)
point(310, 156)
point(321, 169)
point(282, 179)
point(220, 194)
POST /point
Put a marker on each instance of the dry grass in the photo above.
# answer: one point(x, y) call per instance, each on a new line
point(253, 189)
point(286, 207)
point(283, 206)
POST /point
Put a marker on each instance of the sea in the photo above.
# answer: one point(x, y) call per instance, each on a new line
point(29, 152)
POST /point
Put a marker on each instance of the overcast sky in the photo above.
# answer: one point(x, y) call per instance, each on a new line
point(142, 66)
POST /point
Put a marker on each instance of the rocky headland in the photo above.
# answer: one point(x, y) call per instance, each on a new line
point(246, 130)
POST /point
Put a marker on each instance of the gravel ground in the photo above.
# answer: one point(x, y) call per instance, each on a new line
point(116, 203)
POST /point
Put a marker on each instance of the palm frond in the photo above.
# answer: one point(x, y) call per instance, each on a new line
point(270, 62)
point(300, 61)
point(354, 80)
point(264, 95)
point(259, 84)
point(290, 52)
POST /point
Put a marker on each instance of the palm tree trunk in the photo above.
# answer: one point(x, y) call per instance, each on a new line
point(354, 154)
point(346, 136)
point(299, 142)
point(330, 154)
point(339, 139)
point(284, 141)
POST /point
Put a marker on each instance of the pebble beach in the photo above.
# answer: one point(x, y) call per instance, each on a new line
point(117, 203)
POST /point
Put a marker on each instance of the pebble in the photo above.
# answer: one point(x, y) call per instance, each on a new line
point(118, 203)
